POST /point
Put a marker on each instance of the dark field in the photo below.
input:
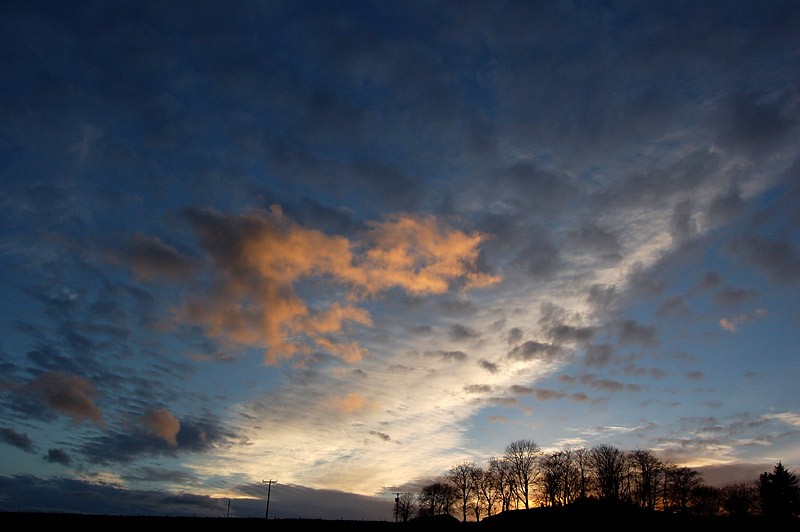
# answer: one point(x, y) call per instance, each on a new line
point(600, 518)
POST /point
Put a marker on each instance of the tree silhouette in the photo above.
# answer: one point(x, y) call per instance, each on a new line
point(647, 468)
point(740, 498)
point(463, 478)
point(521, 456)
point(437, 498)
point(779, 492)
point(609, 465)
point(405, 506)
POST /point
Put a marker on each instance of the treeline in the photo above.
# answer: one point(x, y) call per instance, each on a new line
point(526, 477)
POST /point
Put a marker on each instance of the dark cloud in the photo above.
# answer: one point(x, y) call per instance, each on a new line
point(151, 259)
point(604, 299)
point(516, 389)
point(49, 359)
point(539, 258)
point(695, 375)
point(381, 435)
point(598, 355)
point(29, 493)
point(674, 307)
point(726, 206)
point(778, 259)
point(18, 440)
point(68, 394)
point(125, 446)
point(634, 370)
point(563, 333)
point(731, 297)
point(590, 238)
point(58, 456)
point(630, 332)
point(604, 385)
point(755, 121)
point(151, 474)
point(457, 307)
point(541, 394)
point(502, 401)
point(491, 367)
point(532, 350)
point(682, 225)
point(514, 335)
point(420, 330)
point(478, 388)
point(460, 333)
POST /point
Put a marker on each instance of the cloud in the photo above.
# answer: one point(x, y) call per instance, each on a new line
point(532, 350)
point(160, 422)
point(448, 356)
point(735, 296)
point(590, 238)
point(20, 441)
point(459, 333)
point(58, 456)
point(68, 394)
point(150, 259)
point(630, 332)
point(351, 403)
point(778, 259)
point(491, 367)
point(125, 446)
point(790, 418)
point(563, 333)
point(732, 324)
point(259, 257)
point(598, 355)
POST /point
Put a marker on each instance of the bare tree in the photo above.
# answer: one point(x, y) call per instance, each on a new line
point(582, 466)
point(437, 498)
point(560, 478)
point(485, 493)
point(739, 499)
point(706, 500)
point(502, 481)
point(405, 506)
point(522, 457)
point(609, 466)
point(646, 470)
point(462, 476)
point(682, 480)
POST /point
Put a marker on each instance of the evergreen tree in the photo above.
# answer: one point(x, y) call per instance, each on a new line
point(779, 492)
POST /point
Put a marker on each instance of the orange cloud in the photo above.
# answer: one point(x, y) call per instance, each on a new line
point(421, 257)
point(161, 423)
point(351, 403)
point(732, 325)
point(259, 257)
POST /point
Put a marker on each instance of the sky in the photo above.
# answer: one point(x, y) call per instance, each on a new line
point(347, 245)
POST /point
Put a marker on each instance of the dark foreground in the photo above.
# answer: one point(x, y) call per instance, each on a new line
point(593, 517)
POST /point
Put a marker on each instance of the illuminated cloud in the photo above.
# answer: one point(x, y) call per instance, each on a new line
point(732, 324)
point(351, 403)
point(258, 258)
point(68, 394)
point(161, 423)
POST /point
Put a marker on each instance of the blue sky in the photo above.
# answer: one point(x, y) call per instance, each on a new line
point(347, 245)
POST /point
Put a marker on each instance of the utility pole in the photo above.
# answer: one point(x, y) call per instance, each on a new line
point(269, 484)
